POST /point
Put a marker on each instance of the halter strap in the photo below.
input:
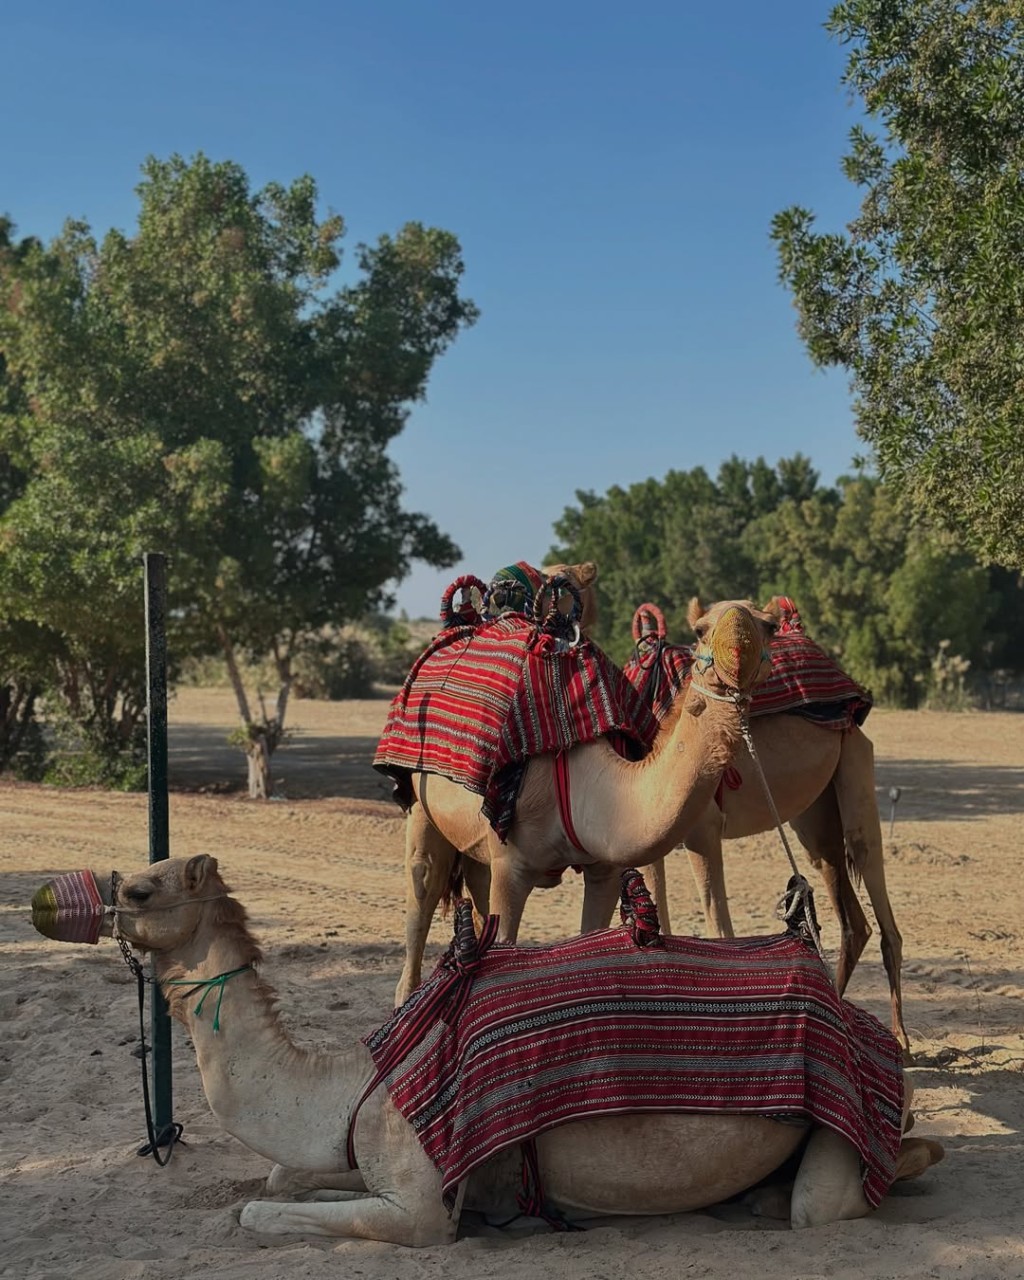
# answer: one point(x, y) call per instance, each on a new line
point(167, 906)
point(209, 983)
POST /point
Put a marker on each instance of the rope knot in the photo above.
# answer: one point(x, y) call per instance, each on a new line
point(465, 948)
point(638, 912)
point(796, 909)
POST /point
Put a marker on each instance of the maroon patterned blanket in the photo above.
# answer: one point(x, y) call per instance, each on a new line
point(489, 1054)
point(803, 677)
point(482, 699)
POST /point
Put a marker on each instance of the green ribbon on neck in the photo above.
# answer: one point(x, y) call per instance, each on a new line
point(209, 984)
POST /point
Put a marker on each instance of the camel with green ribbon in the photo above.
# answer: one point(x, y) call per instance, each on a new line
point(351, 1162)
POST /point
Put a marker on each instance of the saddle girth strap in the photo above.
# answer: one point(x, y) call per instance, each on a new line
point(563, 795)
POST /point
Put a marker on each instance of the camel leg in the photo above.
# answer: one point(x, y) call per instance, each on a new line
point(657, 882)
point(828, 1185)
point(429, 860)
point(704, 845)
point(478, 884)
point(396, 1218)
point(510, 887)
point(601, 891)
point(820, 830)
point(403, 1205)
point(855, 790)
point(282, 1181)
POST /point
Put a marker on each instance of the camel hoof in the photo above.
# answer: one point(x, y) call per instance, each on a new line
point(771, 1201)
point(916, 1155)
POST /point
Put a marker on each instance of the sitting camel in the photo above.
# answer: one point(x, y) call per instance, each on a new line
point(625, 813)
point(296, 1107)
point(822, 783)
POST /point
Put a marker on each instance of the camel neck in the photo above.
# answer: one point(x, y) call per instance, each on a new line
point(289, 1104)
point(642, 809)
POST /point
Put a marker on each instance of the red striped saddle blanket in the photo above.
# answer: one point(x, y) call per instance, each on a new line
point(482, 699)
point(492, 1051)
point(803, 678)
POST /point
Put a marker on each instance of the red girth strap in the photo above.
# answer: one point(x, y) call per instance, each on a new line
point(564, 798)
point(731, 778)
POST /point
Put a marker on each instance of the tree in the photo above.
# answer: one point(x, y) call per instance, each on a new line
point(197, 387)
point(670, 540)
point(874, 588)
point(880, 590)
point(921, 300)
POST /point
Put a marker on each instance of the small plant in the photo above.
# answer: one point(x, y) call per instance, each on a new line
point(76, 755)
point(947, 689)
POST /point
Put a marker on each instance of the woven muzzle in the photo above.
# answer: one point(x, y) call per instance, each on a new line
point(69, 908)
point(737, 649)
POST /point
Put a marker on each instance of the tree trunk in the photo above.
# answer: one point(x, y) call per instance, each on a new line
point(262, 737)
point(17, 708)
point(261, 785)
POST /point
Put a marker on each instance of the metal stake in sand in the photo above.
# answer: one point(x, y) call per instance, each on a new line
point(159, 838)
point(894, 795)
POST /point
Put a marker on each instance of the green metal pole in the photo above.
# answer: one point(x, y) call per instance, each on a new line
point(159, 835)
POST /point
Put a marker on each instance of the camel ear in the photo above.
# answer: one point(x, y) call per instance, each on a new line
point(197, 870)
point(695, 611)
point(773, 609)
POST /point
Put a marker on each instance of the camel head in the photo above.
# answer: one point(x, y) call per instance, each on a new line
point(160, 908)
point(583, 576)
point(733, 636)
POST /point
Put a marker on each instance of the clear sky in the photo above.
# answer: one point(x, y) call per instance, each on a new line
point(611, 171)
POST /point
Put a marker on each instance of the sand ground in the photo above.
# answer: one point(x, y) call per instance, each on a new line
point(320, 869)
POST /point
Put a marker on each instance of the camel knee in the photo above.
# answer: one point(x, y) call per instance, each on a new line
point(283, 1181)
point(418, 877)
point(828, 1185)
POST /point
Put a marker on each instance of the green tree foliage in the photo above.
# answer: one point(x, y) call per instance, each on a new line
point(921, 300)
point(669, 540)
point(199, 387)
point(877, 588)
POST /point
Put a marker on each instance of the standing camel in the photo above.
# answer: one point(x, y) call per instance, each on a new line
point(306, 1110)
point(822, 782)
point(625, 813)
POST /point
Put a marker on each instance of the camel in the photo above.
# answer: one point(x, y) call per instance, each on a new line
point(294, 1106)
point(626, 813)
point(822, 783)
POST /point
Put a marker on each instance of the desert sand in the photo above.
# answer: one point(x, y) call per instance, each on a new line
point(320, 870)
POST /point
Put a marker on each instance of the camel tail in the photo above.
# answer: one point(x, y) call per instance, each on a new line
point(856, 851)
point(453, 889)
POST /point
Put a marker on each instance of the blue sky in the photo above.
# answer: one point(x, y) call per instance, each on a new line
point(611, 171)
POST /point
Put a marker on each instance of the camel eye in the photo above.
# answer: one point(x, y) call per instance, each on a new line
point(138, 893)
point(700, 630)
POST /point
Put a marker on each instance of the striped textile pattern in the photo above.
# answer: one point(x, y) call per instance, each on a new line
point(480, 701)
point(803, 679)
point(535, 1037)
